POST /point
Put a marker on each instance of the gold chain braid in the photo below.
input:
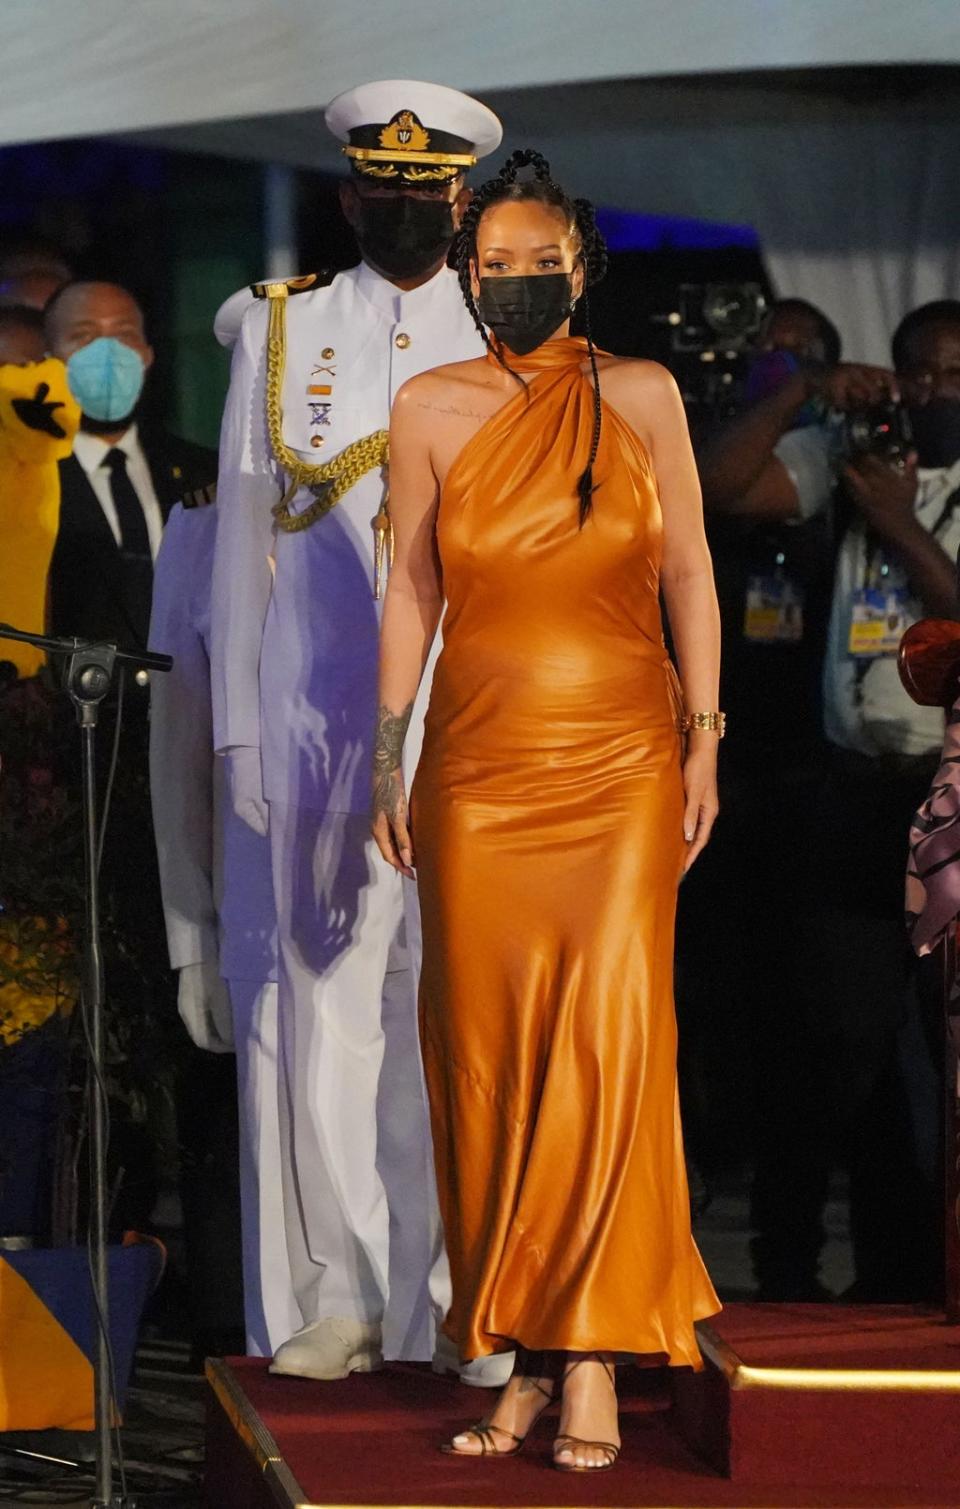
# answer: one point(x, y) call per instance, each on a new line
point(333, 478)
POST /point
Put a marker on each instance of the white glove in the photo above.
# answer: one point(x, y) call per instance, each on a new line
point(246, 787)
point(204, 1005)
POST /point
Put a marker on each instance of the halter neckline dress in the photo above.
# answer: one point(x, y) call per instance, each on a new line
point(547, 822)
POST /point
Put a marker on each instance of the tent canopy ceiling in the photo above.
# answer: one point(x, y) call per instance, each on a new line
point(705, 147)
point(122, 65)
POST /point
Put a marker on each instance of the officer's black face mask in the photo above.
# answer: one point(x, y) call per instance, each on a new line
point(936, 431)
point(525, 312)
point(403, 236)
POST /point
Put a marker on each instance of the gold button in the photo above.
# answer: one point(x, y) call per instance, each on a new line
point(316, 441)
point(328, 353)
point(402, 341)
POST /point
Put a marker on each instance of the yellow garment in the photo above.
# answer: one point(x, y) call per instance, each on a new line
point(34, 402)
point(547, 824)
point(37, 975)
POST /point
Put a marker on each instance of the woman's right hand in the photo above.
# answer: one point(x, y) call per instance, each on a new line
point(391, 821)
point(700, 793)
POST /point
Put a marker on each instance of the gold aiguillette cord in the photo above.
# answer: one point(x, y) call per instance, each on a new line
point(328, 479)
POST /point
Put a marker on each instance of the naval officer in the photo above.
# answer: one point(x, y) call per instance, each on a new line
point(303, 542)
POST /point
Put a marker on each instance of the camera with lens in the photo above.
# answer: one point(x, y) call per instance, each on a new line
point(878, 429)
point(716, 316)
point(712, 328)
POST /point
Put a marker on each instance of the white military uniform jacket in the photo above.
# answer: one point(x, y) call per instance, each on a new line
point(295, 624)
point(214, 870)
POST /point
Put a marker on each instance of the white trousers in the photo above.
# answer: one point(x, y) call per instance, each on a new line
point(271, 1312)
point(360, 1212)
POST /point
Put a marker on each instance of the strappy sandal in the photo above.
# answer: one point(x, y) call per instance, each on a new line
point(532, 1366)
point(573, 1443)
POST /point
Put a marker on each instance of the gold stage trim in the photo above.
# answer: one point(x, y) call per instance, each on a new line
point(741, 1375)
point(257, 1440)
point(261, 1445)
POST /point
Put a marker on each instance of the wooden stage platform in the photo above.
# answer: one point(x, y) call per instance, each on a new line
point(799, 1407)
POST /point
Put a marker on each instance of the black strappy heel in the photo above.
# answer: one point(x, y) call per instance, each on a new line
point(532, 1366)
point(571, 1443)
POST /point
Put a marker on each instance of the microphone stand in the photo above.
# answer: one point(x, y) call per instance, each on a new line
point(87, 674)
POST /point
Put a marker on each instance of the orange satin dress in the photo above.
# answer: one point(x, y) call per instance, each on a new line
point(547, 824)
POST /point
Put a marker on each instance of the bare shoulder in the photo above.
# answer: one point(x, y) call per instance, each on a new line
point(636, 375)
point(438, 382)
point(645, 394)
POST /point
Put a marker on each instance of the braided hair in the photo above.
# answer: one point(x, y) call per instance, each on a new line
point(540, 189)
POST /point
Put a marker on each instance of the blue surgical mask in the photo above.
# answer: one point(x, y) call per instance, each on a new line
point(106, 378)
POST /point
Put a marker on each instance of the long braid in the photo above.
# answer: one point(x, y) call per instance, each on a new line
point(594, 253)
point(542, 188)
point(585, 484)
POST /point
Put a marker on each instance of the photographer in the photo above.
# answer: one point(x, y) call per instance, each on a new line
point(774, 460)
point(773, 576)
point(767, 478)
point(830, 1087)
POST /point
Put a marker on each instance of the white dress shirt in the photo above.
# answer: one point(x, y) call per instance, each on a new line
point(871, 712)
point(92, 452)
point(866, 708)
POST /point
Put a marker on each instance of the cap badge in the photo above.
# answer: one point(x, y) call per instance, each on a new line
point(404, 133)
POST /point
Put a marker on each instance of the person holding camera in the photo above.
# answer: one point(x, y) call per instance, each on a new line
point(830, 1087)
point(773, 585)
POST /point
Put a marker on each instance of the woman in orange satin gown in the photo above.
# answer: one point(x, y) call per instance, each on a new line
point(551, 820)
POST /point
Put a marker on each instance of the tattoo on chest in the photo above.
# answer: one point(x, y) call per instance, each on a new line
point(451, 409)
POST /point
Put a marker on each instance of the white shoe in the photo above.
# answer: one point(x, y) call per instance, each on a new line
point(330, 1349)
point(483, 1372)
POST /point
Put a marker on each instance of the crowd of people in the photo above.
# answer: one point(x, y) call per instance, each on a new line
point(549, 825)
point(823, 558)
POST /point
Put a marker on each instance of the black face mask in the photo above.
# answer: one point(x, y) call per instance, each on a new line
point(936, 431)
point(402, 236)
point(525, 312)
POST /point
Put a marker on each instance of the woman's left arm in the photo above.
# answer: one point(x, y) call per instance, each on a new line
point(688, 590)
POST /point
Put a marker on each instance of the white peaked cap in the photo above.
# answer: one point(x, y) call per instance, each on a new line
point(437, 108)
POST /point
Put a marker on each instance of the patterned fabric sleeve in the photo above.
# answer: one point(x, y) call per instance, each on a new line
point(933, 867)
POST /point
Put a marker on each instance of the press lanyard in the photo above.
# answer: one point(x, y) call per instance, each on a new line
point(880, 610)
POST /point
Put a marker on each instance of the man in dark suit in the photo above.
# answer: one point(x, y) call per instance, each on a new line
point(117, 488)
point(125, 473)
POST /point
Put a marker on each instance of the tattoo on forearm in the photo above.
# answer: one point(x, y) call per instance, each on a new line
point(388, 792)
point(388, 740)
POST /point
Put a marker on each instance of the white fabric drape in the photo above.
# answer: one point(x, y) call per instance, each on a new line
point(893, 204)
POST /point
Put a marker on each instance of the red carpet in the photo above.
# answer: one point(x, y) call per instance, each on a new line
point(373, 1440)
point(824, 1423)
point(846, 1336)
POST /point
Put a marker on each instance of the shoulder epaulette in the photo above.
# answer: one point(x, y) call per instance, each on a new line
point(200, 496)
point(271, 288)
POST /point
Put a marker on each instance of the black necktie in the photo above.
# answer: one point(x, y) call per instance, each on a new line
point(136, 562)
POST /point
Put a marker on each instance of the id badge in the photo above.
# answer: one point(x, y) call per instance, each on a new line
point(878, 621)
point(774, 610)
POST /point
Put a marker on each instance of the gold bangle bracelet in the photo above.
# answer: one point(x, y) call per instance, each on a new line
point(715, 723)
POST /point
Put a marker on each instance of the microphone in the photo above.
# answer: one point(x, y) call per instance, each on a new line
point(143, 660)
